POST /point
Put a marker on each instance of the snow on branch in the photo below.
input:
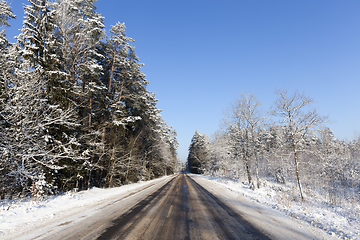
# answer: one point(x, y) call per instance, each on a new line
point(127, 120)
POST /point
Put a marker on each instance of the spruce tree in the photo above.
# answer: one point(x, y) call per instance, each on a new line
point(198, 151)
point(6, 74)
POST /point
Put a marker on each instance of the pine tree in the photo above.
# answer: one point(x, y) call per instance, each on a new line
point(79, 30)
point(74, 109)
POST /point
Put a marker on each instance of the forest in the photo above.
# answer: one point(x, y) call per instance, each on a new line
point(75, 111)
point(289, 146)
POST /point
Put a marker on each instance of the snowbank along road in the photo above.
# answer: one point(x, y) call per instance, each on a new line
point(178, 208)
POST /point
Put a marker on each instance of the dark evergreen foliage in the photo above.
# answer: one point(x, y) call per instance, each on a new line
point(74, 110)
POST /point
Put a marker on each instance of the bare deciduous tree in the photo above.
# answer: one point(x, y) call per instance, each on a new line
point(244, 121)
point(293, 110)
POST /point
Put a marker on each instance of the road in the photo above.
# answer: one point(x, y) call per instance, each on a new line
point(176, 207)
point(181, 209)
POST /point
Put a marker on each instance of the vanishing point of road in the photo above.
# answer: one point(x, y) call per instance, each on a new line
point(181, 209)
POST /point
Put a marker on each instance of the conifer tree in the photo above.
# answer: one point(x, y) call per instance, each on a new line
point(78, 31)
point(198, 150)
point(48, 118)
point(6, 69)
point(6, 74)
point(74, 109)
point(35, 155)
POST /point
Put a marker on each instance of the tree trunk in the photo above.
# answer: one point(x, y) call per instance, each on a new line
point(297, 172)
point(248, 170)
point(256, 157)
point(90, 108)
point(257, 167)
point(257, 173)
point(89, 179)
point(112, 69)
point(112, 161)
point(90, 112)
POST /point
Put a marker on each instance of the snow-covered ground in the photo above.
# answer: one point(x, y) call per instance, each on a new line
point(273, 213)
point(18, 219)
point(339, 222)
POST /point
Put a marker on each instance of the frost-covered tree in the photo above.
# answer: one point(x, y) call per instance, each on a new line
point(74, 108)
point(167, 145)
point(242, 123)
point(220, 160)
point(296, 146)
point(38, 46)
point(39, 65)
point(118, 62)
point(273, 148)
point(36, 37)
point(248, 112)
point(198, 152)
point(129, 102)
point(6, 63)
point(6, 74)
point(157, 141)
point(35, 157)
point(292, 109)
point(78, 30)
point(5, 15)
point(151, 153)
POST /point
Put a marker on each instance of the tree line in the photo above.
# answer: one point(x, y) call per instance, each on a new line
point(74, 108)
point(289, 145)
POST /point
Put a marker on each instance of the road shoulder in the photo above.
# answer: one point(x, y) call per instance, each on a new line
point(61, 213)
point(276, 224)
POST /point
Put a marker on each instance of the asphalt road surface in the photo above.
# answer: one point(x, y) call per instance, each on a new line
point(181, 209)
point(178, 208)
point(173, 207)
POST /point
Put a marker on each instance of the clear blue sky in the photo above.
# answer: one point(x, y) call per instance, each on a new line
point(199, 54)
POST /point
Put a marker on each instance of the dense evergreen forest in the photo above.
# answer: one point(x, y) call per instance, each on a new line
point(290, 146)
point(74, 108)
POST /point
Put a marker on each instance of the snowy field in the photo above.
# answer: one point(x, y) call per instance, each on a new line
point(19, 218)
point(338, 222)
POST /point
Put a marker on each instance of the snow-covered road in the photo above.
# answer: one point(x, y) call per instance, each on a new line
point(173, 207)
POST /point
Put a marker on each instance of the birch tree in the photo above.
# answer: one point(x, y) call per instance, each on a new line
point(248, 110)
point(243, 121)
point(293, 111)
